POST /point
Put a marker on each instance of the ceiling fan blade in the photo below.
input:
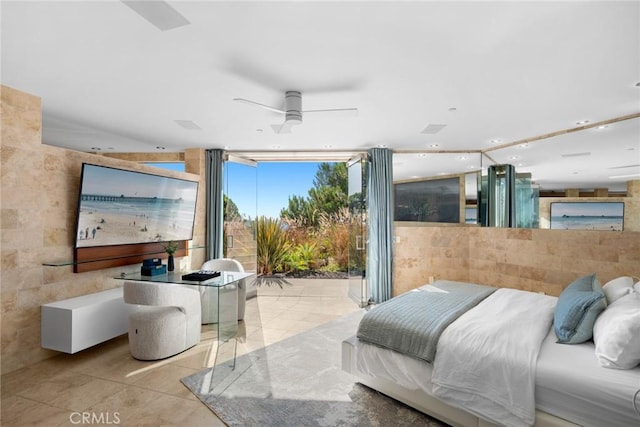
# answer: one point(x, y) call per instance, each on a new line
point(332, 110)
point(246, 101)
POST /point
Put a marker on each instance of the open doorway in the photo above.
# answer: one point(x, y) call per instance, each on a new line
point(294, 218)
point(297, 213)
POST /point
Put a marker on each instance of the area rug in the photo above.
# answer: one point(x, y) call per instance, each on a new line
point(299, 382)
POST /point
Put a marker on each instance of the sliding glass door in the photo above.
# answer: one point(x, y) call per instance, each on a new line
point(358, 290)
point(240, 211)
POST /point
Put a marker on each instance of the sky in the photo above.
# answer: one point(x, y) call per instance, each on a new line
point(112, 181)
point(264, 190)
point(274, 182)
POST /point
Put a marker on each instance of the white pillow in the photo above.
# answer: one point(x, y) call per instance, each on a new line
point(636, 287)
point(617, 288)
point(616, 333)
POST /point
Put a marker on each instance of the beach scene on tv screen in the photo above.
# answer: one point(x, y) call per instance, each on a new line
point(122, 207)
point(587, 216)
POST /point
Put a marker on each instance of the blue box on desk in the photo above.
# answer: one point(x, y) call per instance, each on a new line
point(151, 262)
point(155, 270)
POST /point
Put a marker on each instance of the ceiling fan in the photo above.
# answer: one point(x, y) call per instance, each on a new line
point(292, 110)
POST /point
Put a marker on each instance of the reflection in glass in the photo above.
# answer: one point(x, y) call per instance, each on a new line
point(436, 200)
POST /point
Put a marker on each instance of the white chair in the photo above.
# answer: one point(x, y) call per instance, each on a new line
point(209, 296)
point(165, 321)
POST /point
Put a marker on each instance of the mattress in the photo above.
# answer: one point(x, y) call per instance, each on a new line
point(570, 383)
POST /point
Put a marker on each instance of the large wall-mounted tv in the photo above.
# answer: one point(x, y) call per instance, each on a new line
point(121, 207)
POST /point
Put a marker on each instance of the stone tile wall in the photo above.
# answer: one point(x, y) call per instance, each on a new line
point(531, 259)
point(39, 193)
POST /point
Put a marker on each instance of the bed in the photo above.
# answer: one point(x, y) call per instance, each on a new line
point(547, 384)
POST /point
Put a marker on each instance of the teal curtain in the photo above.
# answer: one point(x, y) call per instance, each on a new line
point(215, 212)
point(380, 201)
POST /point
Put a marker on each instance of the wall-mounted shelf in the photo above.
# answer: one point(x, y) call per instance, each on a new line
point(88, 259)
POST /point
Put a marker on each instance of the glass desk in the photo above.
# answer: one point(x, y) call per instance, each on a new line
point(219, 295)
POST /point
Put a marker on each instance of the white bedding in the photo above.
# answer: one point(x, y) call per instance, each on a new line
point(571, 384)
point(486, 360)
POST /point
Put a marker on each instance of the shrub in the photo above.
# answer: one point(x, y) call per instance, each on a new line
point(272, 245)
point(334, 233)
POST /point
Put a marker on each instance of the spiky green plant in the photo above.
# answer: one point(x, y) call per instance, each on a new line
point(272, 245)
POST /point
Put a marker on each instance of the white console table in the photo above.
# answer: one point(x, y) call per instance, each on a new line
point(77, 323)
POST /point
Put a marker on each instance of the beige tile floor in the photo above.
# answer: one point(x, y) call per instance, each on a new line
point(104, 385)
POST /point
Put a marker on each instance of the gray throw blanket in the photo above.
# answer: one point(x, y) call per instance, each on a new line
point(412, 323)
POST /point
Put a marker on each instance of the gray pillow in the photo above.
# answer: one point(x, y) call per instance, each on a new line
point(577, 309)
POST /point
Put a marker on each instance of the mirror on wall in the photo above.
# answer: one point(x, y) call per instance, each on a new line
point(409, 169)
point(595, 161)
point(604, 156)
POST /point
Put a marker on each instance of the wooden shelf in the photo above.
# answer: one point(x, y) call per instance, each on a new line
point(101, 257)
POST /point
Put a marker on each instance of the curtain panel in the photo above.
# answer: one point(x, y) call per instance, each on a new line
point(380, 200)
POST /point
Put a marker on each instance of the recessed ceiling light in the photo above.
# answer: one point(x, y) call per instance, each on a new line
point(434, 145)
point(462, 157)
point(525, 145)
point(495, 141)
point(276, 147)
point(160, 148)
point(328, 146)
point(514, 157)
point(381, 145)
point(422, 155)
point(96, 148)
point(582, 122)
point(602, 127)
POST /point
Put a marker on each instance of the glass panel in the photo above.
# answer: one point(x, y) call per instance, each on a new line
point(240, 211)
point(358, 232)
point(434, 200)
point(527, 206)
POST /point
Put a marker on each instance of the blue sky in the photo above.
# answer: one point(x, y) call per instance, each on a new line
point(275, 183)
point(266, 188)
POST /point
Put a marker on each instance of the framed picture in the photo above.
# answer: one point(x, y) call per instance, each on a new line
point(587, 216)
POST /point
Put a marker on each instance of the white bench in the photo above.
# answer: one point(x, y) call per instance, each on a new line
point(77, 323)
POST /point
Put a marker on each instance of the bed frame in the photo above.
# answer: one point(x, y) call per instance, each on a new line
point(423, 402)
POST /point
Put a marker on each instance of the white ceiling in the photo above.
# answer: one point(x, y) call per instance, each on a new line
point(110, 80)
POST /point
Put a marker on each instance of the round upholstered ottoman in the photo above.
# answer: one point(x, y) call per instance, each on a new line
point(156, 332)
